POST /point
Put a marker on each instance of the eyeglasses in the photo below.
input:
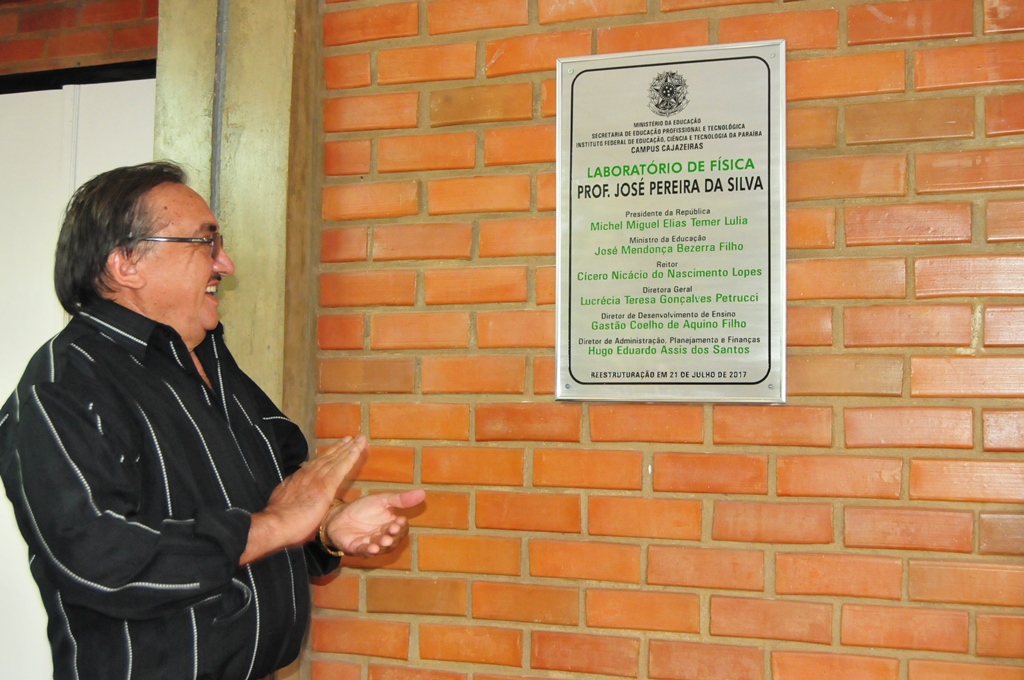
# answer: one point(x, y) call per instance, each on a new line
point(216, 242)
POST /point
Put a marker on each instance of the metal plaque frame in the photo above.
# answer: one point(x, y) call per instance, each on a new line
point(671, 282)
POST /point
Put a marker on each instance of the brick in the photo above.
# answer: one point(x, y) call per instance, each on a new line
point(548, 98)
point(397, 20)
point(1001, 636)
point(389, 639)
point(811, 127)
point(659, 36)
point(543, 375)
point(1003, 16)
point(921, 669)
point(839, 476)
point(341, 592)
point(347, 71)
point(528, 603)
point(553, 11)
point(340, 331)
point(847, 177)
point(847, 278)
point(544, 285)
point(367, 201)
point(588, 469)
point(78, 44)
point(918, 223)
point(427, 152)
point(398, 673)
point(678, 660)
point(907, 121)
point(967, 65)
point(964, 275)
point(519, 328)
point(501, 193)
point(331, 670)
point(528, 422)
point(338, 420)
point(585, 560)
point(806, 523)
point(518, 237)
point(110, 12)
point(705, 568)
point(426, 64)
point(913, 20)
point(975, 170)
point(773, 425)
point(1001, 533)
point(477, 466)
point(441, 510)
point(547, 186)
point(809, 228)
point(12, 51)
point(845, 374)
point(838, 575)
point(475, 285)
point(134, 38)
point(846, 76)
point(909, 529)
point(519, 145)
point(537, 52)
point(347, 158)
point(1004, 221)
point(774, 619)
point(393, 111)
point(470, 375)
point(471, 644)
point(469, 554)
point(646, 422)
point(1000, 585)
point(481, 104)
point(676, 5)
point(347, 244)
point(711, 473)
point(909, 427)
point(421, 330)
point(394, 420)
point(1003, 115)
point(47, 19)
point(430, 241)
point(638, 610)
point(809, 666)
point(456, 16)
point(809, 326)
point(992, 376)
point(808, 30)
point(576, 653)
point(387, 464)
point(644, 517)
point(151, 9)
point(517, 511)
point(358, 289)
point(372, 375)
point(986, 481)
point(432, 596)
point(1004, 430)
point(8, 23)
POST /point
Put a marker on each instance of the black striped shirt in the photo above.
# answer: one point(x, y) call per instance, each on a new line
point(132, 484)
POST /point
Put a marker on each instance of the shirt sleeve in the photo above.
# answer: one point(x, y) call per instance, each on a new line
point(77, 500)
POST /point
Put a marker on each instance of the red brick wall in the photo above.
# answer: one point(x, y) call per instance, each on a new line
point(871, 528)
point(44, 35)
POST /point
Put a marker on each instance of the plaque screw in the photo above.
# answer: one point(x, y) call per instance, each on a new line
point(566, 385)
point(571, 71)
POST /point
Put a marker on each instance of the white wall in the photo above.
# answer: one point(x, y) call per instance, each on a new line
point(50, 142)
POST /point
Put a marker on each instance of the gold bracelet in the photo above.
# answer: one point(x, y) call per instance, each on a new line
point(323, 531)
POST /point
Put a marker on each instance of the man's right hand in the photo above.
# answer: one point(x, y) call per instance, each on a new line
point(300, 502)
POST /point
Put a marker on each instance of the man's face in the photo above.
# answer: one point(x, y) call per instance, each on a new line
point(182, 278)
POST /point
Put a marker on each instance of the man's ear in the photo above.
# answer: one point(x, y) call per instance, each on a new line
point(123, 272)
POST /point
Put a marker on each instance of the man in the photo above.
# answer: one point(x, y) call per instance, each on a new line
point(170, 514)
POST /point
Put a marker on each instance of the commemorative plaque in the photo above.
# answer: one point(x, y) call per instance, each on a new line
point(671, 225)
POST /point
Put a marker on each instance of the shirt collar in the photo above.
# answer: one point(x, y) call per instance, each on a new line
point(133, 331)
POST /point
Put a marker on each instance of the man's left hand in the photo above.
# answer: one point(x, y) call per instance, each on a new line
point(369, 525)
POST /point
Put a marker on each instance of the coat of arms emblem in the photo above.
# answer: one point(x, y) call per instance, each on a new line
point(667, 94)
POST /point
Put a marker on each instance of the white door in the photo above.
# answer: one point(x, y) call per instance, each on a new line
point(50, 143)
